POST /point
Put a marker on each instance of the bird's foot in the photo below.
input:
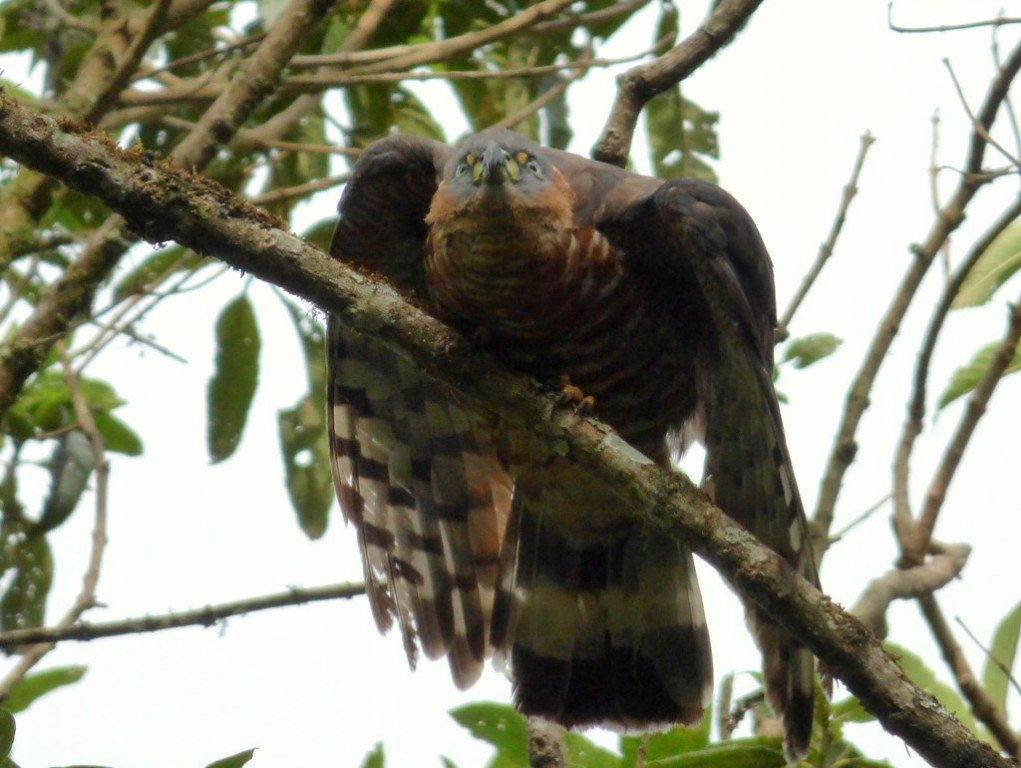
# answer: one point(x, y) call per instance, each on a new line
point(574, 395)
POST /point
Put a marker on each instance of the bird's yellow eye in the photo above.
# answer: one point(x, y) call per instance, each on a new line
point(521, 157)
point(470, 159)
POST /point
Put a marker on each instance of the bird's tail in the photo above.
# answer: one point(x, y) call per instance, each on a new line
point(606, 631)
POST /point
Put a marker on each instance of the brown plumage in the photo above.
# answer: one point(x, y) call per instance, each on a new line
point(655, 299)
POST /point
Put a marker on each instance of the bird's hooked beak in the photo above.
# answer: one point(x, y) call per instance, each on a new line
point(495, 166)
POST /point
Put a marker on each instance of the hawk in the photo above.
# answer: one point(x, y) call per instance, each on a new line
point(653, 299)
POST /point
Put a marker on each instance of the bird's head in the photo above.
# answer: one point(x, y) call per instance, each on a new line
point(498, 161)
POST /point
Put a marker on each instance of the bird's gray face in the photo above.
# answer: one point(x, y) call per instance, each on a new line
point(492, 166)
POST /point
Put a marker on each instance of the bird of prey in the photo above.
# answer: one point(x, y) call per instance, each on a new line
point(654, 300)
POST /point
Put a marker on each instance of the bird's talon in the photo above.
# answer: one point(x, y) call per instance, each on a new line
point(574, 394)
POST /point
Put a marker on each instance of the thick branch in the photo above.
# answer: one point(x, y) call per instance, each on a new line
point(163, 203)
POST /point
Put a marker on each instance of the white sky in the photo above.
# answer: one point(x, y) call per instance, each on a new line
point(316, 685)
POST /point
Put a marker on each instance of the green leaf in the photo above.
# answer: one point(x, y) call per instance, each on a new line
point(681, 136)
point(756, 752)
point(850, 710)
point(302, 429)
point(70, 469)
point(39, 684)
point(7, 729)
point(676, 741)
point(118, 436)
point(1001, 260)
point(307, 463)
point(967, 377)
point(232, 388)
point(926, 679)
point(23, 604)
point(447, 762)
point(234, 761)
point(806, 350)
point(584, 754)
point(375, 758)
point(499, 725)
point(1002, 653)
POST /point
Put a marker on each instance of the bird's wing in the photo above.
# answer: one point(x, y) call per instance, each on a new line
point(416, 474)
point(383, 207)
point(692, 239)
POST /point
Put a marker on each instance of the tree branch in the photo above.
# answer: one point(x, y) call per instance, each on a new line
point(902, 516)
point(71, 296)
point(826, 249)
point(639, 84)
point(204, 617)
point(917, 545)
point(982, 706)
point(30, 656)
point(160, 202)
point(948, 219)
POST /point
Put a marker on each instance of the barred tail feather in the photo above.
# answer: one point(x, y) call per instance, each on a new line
point(420, 481)
point(788, 670)
point(610, 633)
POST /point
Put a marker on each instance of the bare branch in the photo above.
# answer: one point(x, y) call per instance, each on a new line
point(161, 203)
point(826, 249)
point(979, 129)
point(999, 21)
point(200, 617)
point(948, 219)
point(918, 544)
point(71, 296)
point(981, 705)
point(86, 599)
point(128, 63)
point(909, 583)
point(902, 515)
point(639, 84)
point(406, 57)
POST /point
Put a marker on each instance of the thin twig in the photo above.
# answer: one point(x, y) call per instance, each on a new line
point(86, 599)
point(300, 190)
point(869, 512)
point(918, 544)
point(902, 515)
point(947, 220)
point(977, 125)
point(999, 21)
point(981, 705)
point(542, 100)
point(200, 617)
point(989, 655)
point(183, 61)
point(128, 63)
point(826, 249)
